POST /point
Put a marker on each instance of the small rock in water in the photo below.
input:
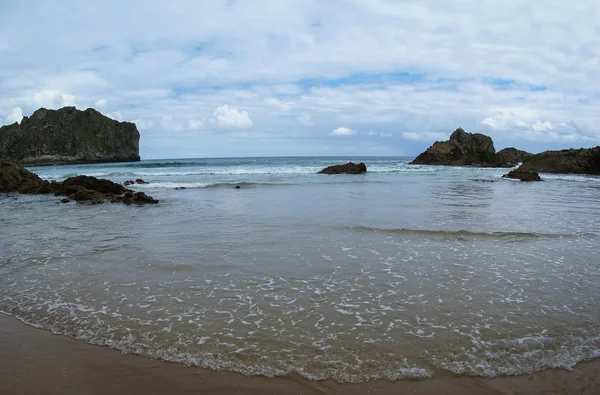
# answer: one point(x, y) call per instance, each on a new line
point(65, 200)
point(348, 168)
point(523, 175)
point(134, 197)
point(141, 197)
point(140, 181)
point(237, 187)
point(180, 188)
point(129, 182)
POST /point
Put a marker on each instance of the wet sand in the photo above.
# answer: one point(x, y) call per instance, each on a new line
point(34, 361)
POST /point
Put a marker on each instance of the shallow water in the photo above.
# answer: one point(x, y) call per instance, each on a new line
point(399, 273)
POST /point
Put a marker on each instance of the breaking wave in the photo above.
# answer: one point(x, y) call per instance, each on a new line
point(459, 233)
point(190, 185)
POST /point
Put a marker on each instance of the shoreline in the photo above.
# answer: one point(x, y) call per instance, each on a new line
point(36, 361)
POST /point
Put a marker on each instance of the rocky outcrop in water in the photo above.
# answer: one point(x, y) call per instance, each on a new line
point(523, 175)
point(510, 157)
point(348, 168)
point(69, 135)
point(462, 149)
point(137, 181)
point(15, 178)
point(469, 149)
point(575, 161)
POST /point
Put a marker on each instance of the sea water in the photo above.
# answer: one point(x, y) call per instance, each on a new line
point(402, 272)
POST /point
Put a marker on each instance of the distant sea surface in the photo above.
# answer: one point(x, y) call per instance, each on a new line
point(402, 272)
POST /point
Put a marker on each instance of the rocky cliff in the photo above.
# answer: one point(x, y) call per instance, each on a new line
point(69, 135)
point(469, 149)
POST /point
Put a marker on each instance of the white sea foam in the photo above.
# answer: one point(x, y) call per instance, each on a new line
point(570, 177)
point(181, 170)
point(172, 185)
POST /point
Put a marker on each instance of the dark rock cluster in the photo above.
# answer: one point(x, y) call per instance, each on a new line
point(348, 168)
point(137, 181)
point(568, 161)
point(469, 149)
point(462, 149)
point(523, 175)
point(474, 149)
point(15, 178)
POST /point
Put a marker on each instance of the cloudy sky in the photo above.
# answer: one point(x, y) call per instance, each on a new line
point(310, 77)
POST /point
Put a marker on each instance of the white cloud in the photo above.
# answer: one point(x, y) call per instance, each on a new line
point(504, 119)
point(171, 125)
point(195, 124)
point(100, 103)
point(305, 120)
point(16, 115)
point(143, 125)
point(426, 136)
point(53, 99)
point(342, 131)
point(381, 134)
point(539, 126)
point(228, 117)
point(71, 80)
point(526, 126)
point(281, 104)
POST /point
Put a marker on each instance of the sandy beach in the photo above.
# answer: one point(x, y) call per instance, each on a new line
point(34, 361)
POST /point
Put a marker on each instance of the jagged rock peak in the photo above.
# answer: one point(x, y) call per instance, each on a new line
point(462, 149)
point(469, 149)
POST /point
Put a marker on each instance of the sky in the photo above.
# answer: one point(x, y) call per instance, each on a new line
point(310, 77)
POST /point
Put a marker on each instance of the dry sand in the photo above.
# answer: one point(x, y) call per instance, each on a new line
point(34, 361)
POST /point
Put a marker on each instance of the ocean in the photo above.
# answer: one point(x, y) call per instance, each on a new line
point(400, 273)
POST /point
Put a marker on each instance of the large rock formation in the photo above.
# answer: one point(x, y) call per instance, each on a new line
point(469, 149)
point(462, 149)
point(576, 161)
point(348, 168)
point(69, 135)
point(15, 178)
